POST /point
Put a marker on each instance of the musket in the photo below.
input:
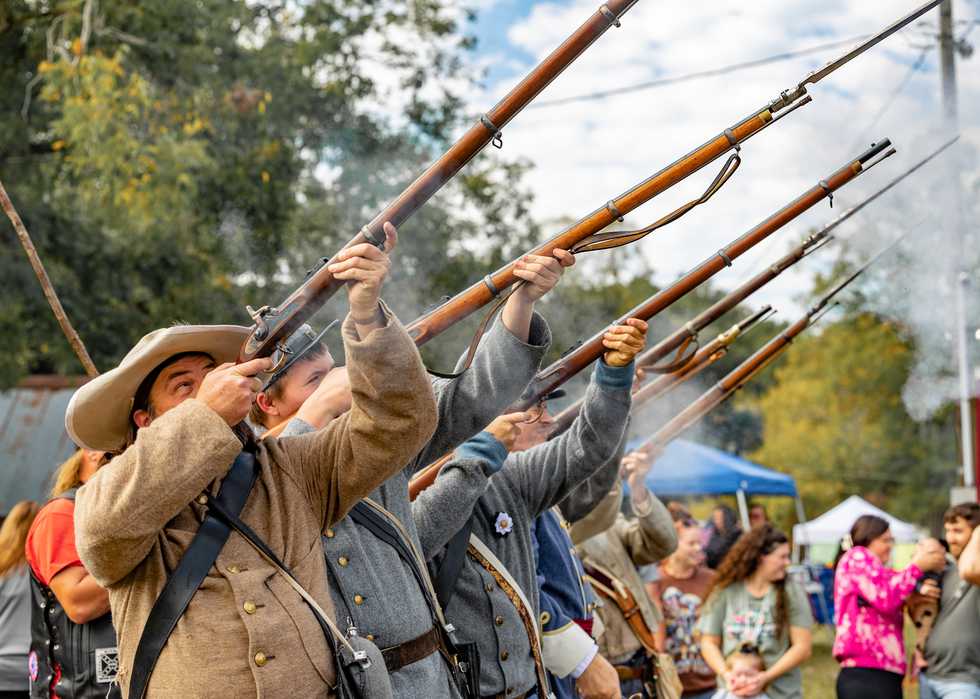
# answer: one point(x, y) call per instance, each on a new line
point(583, 355)
point(274, 324)
point(685, 338)
point(702, 359)
point(750, 368)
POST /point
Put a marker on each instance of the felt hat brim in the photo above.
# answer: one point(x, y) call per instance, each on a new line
point(98, 414)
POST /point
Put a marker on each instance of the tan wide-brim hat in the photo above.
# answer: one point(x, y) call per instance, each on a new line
point(98, 413)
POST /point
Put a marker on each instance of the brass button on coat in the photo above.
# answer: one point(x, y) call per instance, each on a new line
point(329, 533)
point(370, 637)
point(261, 659)
point(358, 599)
point(249, 607)
point(202, 499)
point(343, 561)
point(233, 569)
point(504, 655)
point(498, 620)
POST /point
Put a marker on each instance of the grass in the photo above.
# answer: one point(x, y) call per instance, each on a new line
point(820, 672)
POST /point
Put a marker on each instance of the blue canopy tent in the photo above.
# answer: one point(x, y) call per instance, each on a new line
point(688, 468)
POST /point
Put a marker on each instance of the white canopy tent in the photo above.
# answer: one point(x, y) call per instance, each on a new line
point(830, 527)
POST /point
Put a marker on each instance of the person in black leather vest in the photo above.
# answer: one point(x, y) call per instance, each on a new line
point(73, 644)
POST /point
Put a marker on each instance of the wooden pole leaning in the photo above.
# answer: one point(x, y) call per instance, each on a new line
point(46, 286)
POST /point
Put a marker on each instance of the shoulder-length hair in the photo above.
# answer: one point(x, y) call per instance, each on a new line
point(13, 535)
point(743, 559)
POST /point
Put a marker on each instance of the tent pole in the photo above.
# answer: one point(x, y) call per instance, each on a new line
point(743, 509)
point(801, 519)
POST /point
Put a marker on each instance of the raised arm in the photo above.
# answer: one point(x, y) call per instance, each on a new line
point(592, 503)
point(505, 360)
point(444, 507)
point(392, 415)
point(502, 367)
point(969, 561)
point(544, 475)
point(882, 588)
point(650, 537)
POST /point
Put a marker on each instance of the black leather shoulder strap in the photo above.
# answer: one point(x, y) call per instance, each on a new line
point(190, 573)
point(452, 564)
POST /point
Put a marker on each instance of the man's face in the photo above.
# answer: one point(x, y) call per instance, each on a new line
point(294, 388)
point(536, 430)
point(757, 516)
point(175, 384)
point(958, 534)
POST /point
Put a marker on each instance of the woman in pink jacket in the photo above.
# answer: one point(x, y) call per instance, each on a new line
point(868, 599)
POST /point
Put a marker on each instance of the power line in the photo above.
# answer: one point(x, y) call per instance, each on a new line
point(903, 83)
point(673, 80)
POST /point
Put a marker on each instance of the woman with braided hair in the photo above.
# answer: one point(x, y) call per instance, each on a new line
point(753, 601)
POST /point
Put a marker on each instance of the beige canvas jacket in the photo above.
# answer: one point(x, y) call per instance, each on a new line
point(628, 543)
point(247, 633)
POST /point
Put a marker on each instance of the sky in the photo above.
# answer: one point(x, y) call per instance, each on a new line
point(590, 151)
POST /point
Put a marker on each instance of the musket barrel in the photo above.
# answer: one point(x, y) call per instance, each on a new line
point(555, 375)
point(480, 294)
point(321, 285)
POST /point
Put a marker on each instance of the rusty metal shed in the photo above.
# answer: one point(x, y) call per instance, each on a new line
point(33, 441)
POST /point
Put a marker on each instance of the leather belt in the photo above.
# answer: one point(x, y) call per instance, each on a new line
point(503, 695)
point(397, 657)
point(630, 672)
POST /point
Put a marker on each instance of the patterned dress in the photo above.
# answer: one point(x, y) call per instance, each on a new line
point(868, 600)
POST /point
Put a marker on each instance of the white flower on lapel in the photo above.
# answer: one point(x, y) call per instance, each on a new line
point(504, 524)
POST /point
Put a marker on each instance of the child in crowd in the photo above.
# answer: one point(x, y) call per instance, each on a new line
point(743, 664)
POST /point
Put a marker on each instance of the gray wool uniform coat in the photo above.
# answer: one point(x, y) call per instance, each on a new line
point(471, 488)
point(373, 589)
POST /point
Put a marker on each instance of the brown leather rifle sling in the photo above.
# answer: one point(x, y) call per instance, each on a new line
point(608, 588)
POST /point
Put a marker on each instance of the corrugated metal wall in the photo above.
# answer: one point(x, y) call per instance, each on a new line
point(33, 441)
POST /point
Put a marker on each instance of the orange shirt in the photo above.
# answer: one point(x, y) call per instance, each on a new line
point(50, 546)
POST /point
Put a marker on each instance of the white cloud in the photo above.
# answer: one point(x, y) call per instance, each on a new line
point(587, 152)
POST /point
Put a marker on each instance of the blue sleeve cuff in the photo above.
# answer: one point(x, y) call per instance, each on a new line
point(484, 447)
point(615, 377)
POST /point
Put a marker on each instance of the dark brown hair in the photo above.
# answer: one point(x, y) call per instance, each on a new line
point(968, 511)
point(865, 529)
point(743, 559)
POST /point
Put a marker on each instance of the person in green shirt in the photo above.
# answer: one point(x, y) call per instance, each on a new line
point(753, 601)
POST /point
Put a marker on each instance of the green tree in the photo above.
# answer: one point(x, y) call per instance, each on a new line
point(175, 161)
point(834, 419)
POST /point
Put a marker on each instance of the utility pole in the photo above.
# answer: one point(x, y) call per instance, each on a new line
point(947, 61)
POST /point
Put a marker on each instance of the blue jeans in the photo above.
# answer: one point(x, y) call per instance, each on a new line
point(943, 689)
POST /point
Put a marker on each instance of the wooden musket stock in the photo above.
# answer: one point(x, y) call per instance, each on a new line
point(582, 356)
point(275, 324)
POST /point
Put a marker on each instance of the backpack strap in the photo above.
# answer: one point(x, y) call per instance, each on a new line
point(190, 573)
